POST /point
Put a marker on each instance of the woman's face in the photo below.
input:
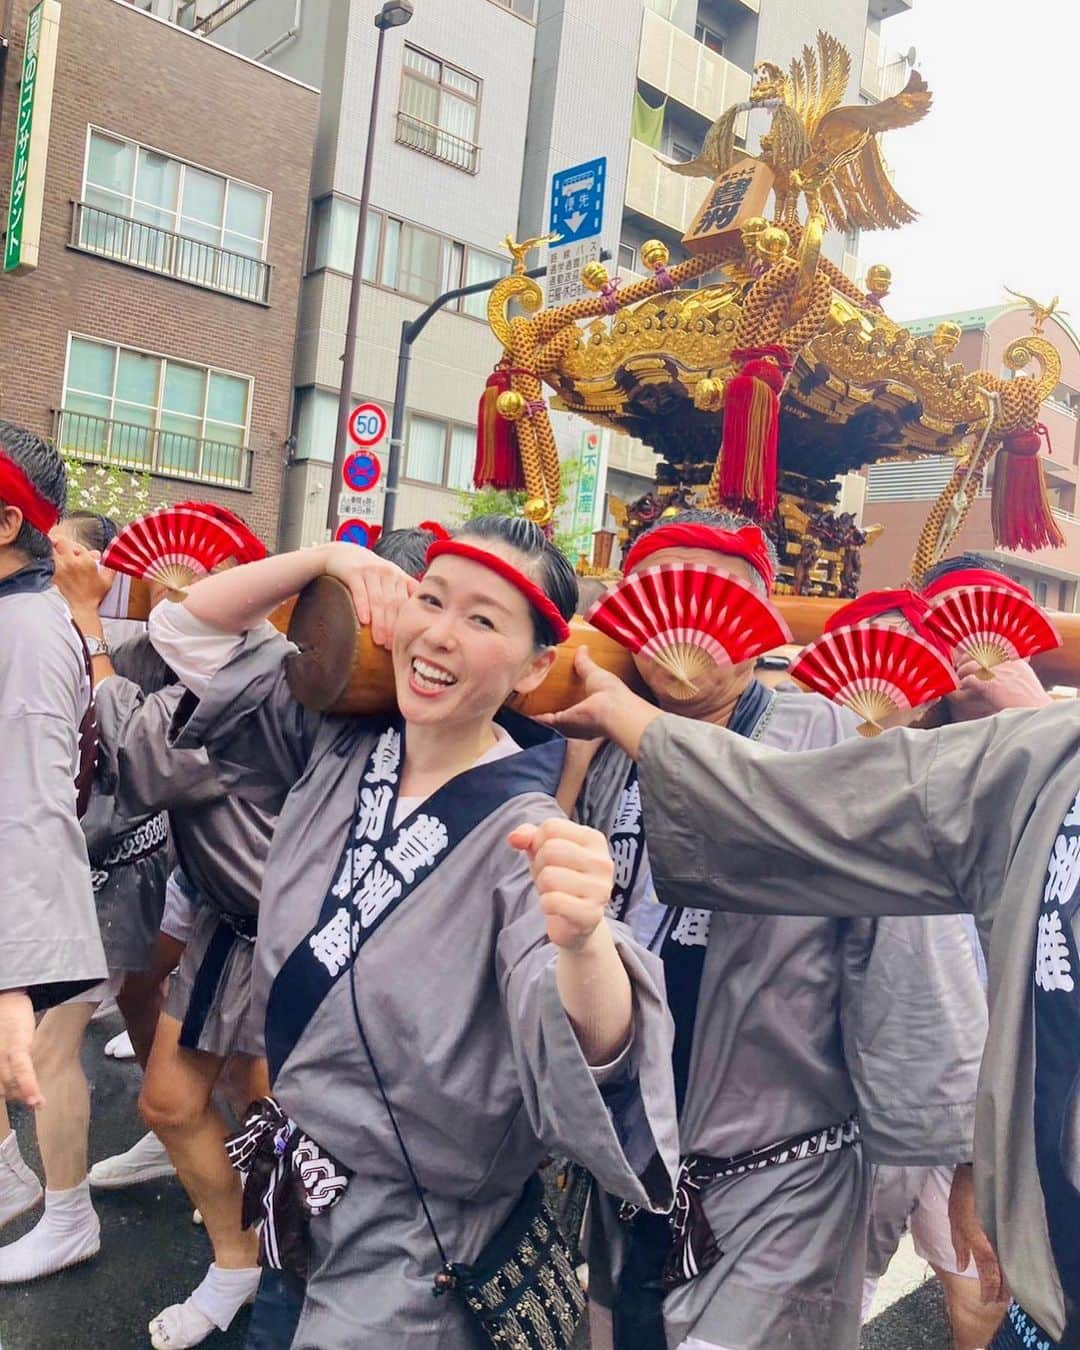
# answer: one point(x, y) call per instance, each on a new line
point(464, 642)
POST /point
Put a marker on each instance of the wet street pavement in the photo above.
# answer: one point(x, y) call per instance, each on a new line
point(153, 1255)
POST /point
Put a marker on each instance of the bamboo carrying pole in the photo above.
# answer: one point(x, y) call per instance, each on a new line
point(339, 669)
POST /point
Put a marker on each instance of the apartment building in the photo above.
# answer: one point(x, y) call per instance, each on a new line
point(481, 102)
point(899, 496)
point(152, 325)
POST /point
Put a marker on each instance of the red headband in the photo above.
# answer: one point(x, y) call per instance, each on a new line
point(433, 527)
point(974, 576)
point(910, 604)
point(17, 490)
point(747, 542)
point(529, 589)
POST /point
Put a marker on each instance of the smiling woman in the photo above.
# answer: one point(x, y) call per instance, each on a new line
point(445, 1001)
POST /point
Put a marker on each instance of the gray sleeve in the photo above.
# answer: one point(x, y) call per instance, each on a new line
point(912, 822)
point(136, 764)
point(258, 737)
point(620, 1123)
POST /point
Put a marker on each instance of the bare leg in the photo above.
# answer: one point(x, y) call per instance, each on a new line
point(63, 1123)
point(139, 998)
point(973, 1322)
point(175, 1103)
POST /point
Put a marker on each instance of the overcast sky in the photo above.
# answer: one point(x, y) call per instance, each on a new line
point(994, 168)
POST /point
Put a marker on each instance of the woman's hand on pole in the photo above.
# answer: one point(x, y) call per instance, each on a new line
point(378, 587)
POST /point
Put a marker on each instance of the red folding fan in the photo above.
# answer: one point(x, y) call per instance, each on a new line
point(172, 547)
point(688, 618)
point(252, 547)
point(989, 625)
point(874, 671)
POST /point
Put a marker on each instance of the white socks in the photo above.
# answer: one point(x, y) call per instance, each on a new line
point(67, 1233)
point(211, 1307)
point(20, 1189)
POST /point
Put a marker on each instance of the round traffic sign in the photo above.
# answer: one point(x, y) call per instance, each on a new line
point(361, 471)
point(358, 532)
point(367, 424)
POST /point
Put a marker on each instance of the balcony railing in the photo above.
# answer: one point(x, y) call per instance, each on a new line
point(884, 73)
point(678, 65)
point(439, 144)
point(168, 454)
point(123, 239)
point(656, 193)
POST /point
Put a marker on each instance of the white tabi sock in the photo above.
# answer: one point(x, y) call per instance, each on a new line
point(67, 1233)
point(210, 1307)
point(20, 1189)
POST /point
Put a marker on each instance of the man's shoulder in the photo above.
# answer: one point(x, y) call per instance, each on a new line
point(40, 643)
point(807, 722)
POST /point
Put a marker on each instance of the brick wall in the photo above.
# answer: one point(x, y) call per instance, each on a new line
point(122, 71)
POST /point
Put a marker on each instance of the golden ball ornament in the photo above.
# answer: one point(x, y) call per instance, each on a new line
point(878, 279)
point(655, 253)
point(772, 243)
point(511, 405)
point(946, 337)
point(594, 276)
point(538, 511)
point(752, 227)
point(709, 393)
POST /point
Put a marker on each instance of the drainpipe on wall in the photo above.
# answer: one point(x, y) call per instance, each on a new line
point(285, 37)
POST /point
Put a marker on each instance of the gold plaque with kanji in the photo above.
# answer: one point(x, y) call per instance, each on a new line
point(735, 197)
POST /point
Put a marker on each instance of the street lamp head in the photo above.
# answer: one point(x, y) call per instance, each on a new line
point(393, 14)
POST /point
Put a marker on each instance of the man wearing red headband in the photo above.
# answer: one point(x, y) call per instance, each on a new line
point(769, 1233)
point(51, 948)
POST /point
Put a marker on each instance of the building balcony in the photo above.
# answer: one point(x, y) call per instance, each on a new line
point(849, 265)
point(683, 68)
point(656, 193)
point(884, 73)
point(154, 249)
point(153, 450)
point(439, 144)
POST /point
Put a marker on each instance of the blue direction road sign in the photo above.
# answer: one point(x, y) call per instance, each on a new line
point(577, 201)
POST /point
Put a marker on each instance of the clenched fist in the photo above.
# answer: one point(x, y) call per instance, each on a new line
point(572, 869)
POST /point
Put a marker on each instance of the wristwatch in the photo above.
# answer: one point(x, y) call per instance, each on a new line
point(97, 647)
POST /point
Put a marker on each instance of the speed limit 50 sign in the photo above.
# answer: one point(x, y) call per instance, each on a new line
point(367, 425)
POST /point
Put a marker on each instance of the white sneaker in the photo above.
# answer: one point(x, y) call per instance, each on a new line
point(120, 1047)
point(20, 1189)
point(146, 1160)
point(65, 1235)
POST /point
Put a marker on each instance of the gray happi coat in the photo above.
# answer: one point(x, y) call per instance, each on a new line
point(221, 842)
point(914, 822)
point(458, 999)
point(49, 943)
point(800, 1022)
point(129, 847)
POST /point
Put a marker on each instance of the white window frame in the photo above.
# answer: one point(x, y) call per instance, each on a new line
point(243, 449)
point(183, 164)
point(448, 424)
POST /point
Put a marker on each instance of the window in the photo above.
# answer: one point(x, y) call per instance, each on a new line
point(401, 256)
point(439, 452)
point(1039, 591)
point(133, 408)
point(523, 7)
point(627, 258)
point(439, 110)
point(145, 208)
point(710, 38)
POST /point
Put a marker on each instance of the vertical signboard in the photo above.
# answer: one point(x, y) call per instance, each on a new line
point(588, 490)
point(32, 118)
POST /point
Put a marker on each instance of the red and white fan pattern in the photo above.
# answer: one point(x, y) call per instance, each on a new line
point(688, 618)
point(874, 671)
point(989, 625)
point(172, 547)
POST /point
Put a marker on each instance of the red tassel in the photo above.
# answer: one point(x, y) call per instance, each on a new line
point(748, 449)
point(497, 460)
point(1019, 505)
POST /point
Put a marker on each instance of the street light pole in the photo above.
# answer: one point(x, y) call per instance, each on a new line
point(393, 14)
point(410, 331)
